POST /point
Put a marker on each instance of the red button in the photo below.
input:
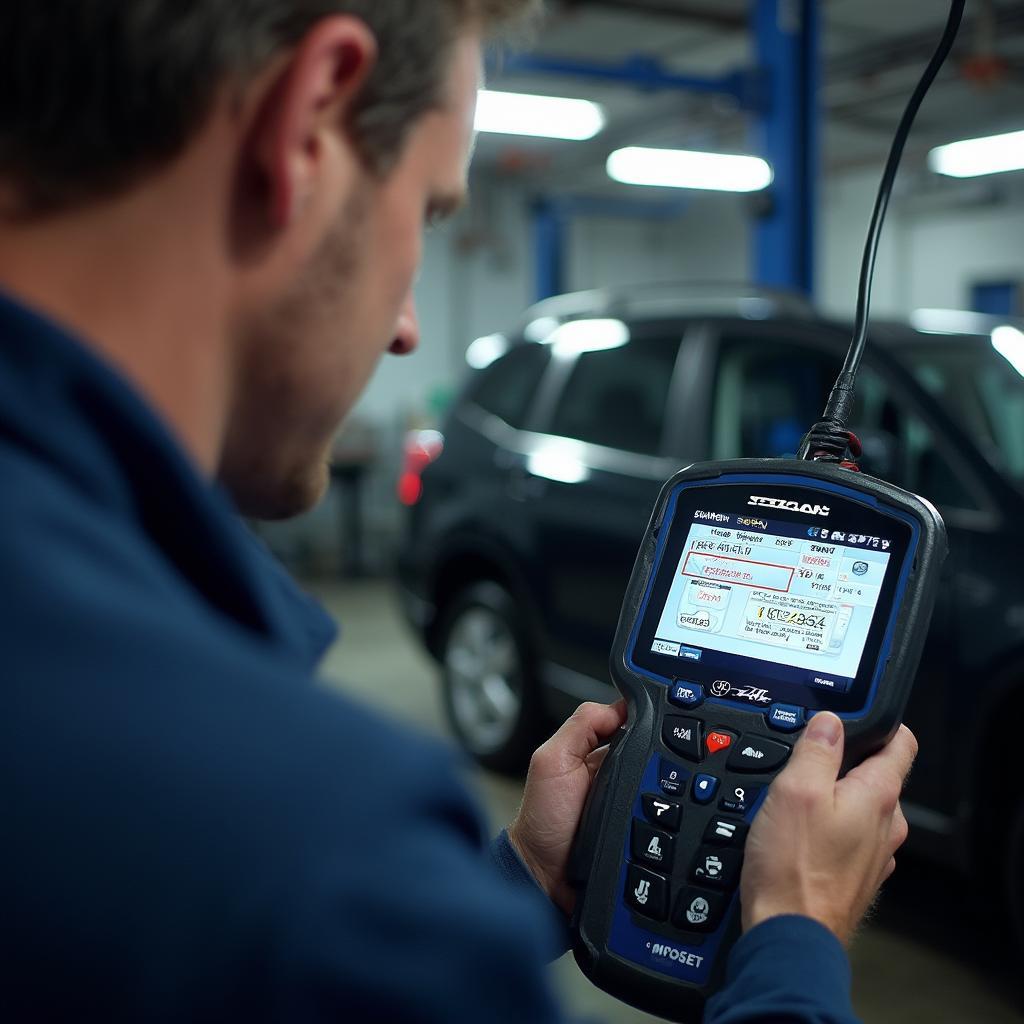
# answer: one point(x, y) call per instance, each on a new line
point(718, 741)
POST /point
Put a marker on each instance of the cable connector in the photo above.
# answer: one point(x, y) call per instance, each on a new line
point(829, 440)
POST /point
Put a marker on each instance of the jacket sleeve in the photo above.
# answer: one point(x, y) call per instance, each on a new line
point(788, 970)
point(407, 918)
point(511, 867)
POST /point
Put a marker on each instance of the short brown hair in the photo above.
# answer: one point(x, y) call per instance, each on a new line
point(93, 93)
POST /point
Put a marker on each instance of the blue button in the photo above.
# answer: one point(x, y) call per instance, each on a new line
point(690, 653)
point(704, 788)
point(786, 717)
point(686, 695)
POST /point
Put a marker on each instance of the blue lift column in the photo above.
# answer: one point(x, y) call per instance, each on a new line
point(550, 231)
point(788, 136)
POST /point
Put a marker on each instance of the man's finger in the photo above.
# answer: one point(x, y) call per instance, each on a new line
point(589, 727)
point(899, 830)
point(887, 871)
point(817, 756)
point(891, 765)
point(596, 761)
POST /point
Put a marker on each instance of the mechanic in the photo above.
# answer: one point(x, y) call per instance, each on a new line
point(210, 220)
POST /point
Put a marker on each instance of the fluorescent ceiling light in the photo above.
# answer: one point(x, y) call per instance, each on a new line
point(681, 168)
point(973, 157)
point(548, 117)
point(484, 351)
point(579, 336)
point(949, 321)
point(1009, 343)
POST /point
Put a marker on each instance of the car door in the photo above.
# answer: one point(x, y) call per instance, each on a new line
point(595, 468)
point(771, 384)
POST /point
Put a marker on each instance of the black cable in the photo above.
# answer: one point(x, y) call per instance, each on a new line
point(830, 439)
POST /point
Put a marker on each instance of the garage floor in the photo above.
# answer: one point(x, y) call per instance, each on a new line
point(926, 957)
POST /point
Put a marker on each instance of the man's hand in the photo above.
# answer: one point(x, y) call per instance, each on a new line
point(821, 847)
point(561, 773)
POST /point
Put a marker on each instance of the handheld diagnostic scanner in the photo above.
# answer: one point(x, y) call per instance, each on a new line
point(764, 591)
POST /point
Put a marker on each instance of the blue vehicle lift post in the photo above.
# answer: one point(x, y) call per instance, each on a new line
point(549, 243)
point(782, 94)
point(788, 137)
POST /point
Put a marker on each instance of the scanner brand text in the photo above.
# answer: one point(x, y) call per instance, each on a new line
point(789, 506)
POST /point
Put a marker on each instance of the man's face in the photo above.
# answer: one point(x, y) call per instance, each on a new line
point(304, 361)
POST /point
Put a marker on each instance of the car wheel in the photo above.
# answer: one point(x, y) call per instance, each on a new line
point(491, 694)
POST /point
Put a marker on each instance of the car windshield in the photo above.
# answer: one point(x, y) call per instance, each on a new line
point(981, 387)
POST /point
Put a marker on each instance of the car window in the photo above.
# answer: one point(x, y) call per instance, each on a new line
point(507, 387)
point(617, 397)
point(768, 393)
point(980, 388)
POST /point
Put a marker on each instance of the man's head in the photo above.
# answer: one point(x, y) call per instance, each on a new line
point(330, 132)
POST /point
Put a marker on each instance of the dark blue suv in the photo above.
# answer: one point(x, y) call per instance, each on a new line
point(529, 505)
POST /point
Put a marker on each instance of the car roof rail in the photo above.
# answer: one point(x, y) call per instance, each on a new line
point(668, 300)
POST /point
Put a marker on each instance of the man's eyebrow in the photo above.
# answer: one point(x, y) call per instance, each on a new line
point(445, 206)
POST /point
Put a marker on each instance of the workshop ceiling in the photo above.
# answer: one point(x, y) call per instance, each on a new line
point(873, 52)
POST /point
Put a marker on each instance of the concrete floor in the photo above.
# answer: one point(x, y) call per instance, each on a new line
point(926, 957)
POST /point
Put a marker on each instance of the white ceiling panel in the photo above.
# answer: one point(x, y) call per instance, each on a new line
point(874, 52)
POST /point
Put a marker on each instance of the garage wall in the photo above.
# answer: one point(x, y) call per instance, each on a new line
point(709, 241)
point(942, 238)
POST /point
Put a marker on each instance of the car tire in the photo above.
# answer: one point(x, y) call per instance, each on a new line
point(490, 687)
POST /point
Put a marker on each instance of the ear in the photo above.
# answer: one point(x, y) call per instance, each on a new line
point(305, 108)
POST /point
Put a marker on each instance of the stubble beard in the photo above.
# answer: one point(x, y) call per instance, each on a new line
point(276, 458)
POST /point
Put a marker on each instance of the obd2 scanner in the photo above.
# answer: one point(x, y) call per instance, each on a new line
point(764, 591)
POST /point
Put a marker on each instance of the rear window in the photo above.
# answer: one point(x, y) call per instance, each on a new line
point(507, 387)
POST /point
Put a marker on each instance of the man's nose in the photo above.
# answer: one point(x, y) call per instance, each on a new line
point(407, 330)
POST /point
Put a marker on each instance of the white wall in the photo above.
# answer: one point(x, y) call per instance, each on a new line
point(709, 242)
point(940, 240)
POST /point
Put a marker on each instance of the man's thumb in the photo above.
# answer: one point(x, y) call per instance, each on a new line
point(822, 743)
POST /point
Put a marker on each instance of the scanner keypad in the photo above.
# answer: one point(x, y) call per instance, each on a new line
point(686, 851)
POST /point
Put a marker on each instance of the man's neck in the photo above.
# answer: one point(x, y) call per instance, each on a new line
point(134, 284)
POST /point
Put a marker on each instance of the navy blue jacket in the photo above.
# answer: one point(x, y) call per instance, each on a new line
point(193, 831)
